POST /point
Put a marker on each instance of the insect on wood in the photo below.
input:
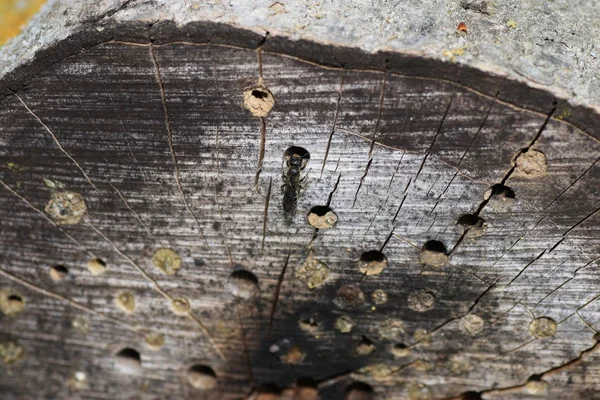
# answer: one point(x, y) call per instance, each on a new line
point(294, 161)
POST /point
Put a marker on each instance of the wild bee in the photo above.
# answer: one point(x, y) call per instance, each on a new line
point(294, 161)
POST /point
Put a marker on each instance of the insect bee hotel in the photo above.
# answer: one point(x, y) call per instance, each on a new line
point(300, 201)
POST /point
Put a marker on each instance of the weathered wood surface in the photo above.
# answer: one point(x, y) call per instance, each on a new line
point(156, 139)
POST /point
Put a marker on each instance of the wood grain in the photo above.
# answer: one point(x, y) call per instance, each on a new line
point(157, 141)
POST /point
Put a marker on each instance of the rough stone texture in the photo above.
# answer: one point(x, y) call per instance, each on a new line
point(552, 44)
point(155, 138)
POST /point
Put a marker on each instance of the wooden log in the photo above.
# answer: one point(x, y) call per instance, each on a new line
point(440, 240)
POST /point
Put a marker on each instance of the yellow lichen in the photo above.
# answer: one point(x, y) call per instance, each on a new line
point(14, 14)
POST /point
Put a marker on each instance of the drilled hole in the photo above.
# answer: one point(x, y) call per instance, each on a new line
point(470, 396)
point(258, 100)
point(58, 272)
point(259, 94)
point(11, 303)
point(372, 262)
point(243, 284)
point(400, 350)
point(365, 346)
point(434, 253)
point(128, 361)
point(322, 217)
point(501, 190)
point(359, 391)
point(268, 388)
point(500, 197)
point(471, 225)
point(202, 377)
point(296, 156)
point(96, 266)
point(307, 382)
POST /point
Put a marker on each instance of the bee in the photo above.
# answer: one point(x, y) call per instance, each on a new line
point(295, 160)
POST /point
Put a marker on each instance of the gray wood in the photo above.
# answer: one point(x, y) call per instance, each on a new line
point(155, 137)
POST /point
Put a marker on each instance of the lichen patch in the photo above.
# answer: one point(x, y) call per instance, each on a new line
point(294, 355)
point(471, 324)
point(125, 301)
point(166, 260)
point(154, 340)
point(66, 208)
point(349, 296)
point(312, 272)
point(11, 352)
point(421, 300)
point(542, 327)
point(390, 329)
point(78, 381)
point(344, 324)
point(180, 306)
point(530, 164)
point(419, 391)
point(379, 297)
point(81, 325)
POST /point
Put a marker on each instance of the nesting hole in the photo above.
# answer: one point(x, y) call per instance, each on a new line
point(307, 382)
point(243, 284)
point(471, 395)
point(502, 190)
point(298, 151)
point(372, 262)
point(11, 303)
point(359, 391)
point(96, 266)
point(500, 197)
point(258, 100)
point(58, 272)
point(269, 388)
point(202, 377)
point(128, 361)
point(365, 346)
point(471, 225)
point(322, 217)
point(400, 350)
point(260, 94)
point(434, 253)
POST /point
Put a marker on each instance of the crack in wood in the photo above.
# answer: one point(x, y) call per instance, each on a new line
point(137, 216)
point(73, 303)
point(439, 129)
point(245, 347)
point(170, 142)
point(40, 212)
point(277, 291)
point(335, 118)
point(362, 178)
point(471, 308)
point(57, 142)
point(485, 118)
point(125, 132)
point(266, 213)
point(261, 151)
